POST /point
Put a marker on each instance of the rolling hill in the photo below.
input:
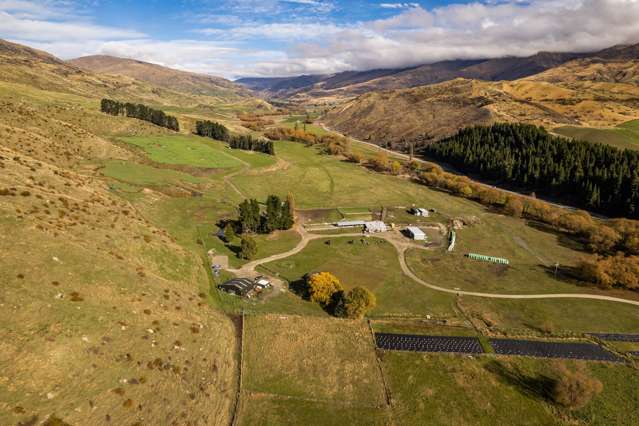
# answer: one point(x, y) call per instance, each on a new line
point(168, 78)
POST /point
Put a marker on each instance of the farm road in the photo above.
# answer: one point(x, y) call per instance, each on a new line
point(402, 246)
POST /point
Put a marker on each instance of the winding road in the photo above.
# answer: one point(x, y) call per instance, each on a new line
point(248, 269)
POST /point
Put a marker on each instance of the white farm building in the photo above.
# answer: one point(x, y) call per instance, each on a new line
point(375, 226)
point(415, 233)
point(370, 226)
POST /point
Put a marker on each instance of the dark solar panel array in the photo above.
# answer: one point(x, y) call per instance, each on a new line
point(617, 337)
point(407, 342)
point(587, 351)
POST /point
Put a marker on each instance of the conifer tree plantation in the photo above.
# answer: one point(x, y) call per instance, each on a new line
point(590, 175)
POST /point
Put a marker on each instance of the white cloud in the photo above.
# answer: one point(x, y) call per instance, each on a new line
point(464, 31)
point(414, 35)
point(40, 30)
point(398, 5)
point(283, 31)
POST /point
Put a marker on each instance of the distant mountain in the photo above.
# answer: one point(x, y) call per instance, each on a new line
point(353, 83)
point(286, 86)
point(182, 81)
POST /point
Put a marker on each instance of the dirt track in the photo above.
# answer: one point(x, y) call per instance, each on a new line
point(401, 246)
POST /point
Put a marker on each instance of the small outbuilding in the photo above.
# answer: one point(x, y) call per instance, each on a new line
point(262, 282)
point(420, 212)
point(350, 223)
point(415, 233)
point(375, 226)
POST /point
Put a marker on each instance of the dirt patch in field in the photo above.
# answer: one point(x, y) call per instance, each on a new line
point(319, 215)
point(280, 165)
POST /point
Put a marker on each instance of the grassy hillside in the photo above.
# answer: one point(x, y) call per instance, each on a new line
point(102, 310)
point(95, 295)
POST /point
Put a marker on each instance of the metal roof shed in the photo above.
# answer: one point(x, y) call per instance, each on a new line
point(416, 233)
point(350, 223)
point(239, 286)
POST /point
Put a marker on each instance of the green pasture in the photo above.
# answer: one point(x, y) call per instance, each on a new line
point(371, 263)
point(323, 181)
point(185, 150)
point(553, 315)
point(456, 390)
point(144, 175)
point(624, 136)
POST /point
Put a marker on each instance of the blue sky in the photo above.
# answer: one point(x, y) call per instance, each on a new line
point(236, 38)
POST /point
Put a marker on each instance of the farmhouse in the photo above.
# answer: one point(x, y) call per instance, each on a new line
point(415, 233)
point(239, 286)
point(375, 226)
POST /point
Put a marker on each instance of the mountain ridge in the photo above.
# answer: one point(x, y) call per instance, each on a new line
point(353, 83)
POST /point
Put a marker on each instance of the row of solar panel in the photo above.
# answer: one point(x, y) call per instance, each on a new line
point(617, 337)
point(471, 345)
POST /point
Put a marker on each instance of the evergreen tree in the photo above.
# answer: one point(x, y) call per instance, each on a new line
point(212, 130)
point(141, 112)
point(273, 213)
point(249, 216)
point(248, 247)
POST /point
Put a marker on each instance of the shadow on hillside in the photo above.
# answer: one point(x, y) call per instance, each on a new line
point(567, 274)
point(565, 239)
point(538, 387)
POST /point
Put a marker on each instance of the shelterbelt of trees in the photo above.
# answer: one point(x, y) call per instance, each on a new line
point(141, 112)
point(595, 176)
point(219, 132)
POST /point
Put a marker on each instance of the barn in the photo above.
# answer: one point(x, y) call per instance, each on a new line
point(238, 286)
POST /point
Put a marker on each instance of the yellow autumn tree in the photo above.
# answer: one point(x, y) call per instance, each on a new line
point(514, 207)
point(322, 286)
point(396, 167)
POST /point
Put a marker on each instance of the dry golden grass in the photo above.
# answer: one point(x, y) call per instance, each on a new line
point(317, 359)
